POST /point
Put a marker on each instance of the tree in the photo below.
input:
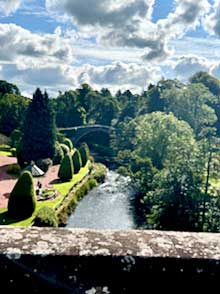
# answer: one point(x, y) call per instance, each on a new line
point(163, 138)
point(77, 161)
point(7, 88)
point(66, 169)
point(22, 200)
point(214, 87)
point(84, 152)
point(207, 80)
point(69, 111)
point(12, 112)
point(174, 201)
point(39, 133)
point(192, 104)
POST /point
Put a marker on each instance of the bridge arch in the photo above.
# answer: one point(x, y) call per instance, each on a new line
point(79, 132)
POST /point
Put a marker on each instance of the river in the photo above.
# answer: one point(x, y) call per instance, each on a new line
point(106, 206)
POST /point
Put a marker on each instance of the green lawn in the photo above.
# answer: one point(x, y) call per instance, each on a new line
point(62, 188)
point(5, 150)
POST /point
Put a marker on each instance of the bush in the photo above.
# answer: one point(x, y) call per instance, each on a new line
point(46, 217)
point(44, 164)
point(19, 156)
point(14, 169)
point(15, 138)
point(84, 152)
point(66, 169)
point(68, 143)
point(65, 149)
point(22, 200)
point(4, 140)
point(13, 152)
point(77, 161)
point(59, 155)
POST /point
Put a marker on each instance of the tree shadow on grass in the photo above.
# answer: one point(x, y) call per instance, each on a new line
point(5, 219)
point(56, 181)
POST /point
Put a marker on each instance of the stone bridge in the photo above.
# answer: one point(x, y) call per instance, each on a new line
point(78, 132)
point(35, 260)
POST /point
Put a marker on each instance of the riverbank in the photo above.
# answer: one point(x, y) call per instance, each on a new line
point(77, 192)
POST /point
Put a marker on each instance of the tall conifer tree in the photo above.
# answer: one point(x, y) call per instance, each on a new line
point(39, 133)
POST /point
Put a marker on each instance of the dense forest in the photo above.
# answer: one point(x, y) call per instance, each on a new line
point(167, 139)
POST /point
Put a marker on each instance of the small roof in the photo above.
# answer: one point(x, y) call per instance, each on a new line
point(34, 170)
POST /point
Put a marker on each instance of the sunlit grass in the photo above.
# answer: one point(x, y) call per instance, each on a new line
point(62, 188)
point(5, 150)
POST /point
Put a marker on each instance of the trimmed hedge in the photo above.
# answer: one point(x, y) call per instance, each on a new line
point(14, 169)
point(68, 143)
point(58, 156)
point(22, 200)
point(66, 169)
point(46, 217)
point(65, 149)
point(84, 152)
point(77, 161)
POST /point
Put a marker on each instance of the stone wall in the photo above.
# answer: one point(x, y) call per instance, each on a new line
point(33, 260)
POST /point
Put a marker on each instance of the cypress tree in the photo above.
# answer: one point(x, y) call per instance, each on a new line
point(84, 152)
point(39, 133)
point(66, 169)
point(22, 200)
point(77, 161)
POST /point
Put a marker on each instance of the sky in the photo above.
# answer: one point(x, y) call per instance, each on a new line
point(117, 44)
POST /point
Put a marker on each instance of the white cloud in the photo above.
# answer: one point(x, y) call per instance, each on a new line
point(9, 6)
point(124, 23)
point(119, 76)
point(212, 21)
point(127, 23)
point(186, 66)
point(24, 47)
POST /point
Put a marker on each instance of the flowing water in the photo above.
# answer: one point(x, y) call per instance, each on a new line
point(106, 206)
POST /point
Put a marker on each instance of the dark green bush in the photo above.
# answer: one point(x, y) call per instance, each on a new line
point(46, 217)
point(20, 159)
point(77, 161)
point(14, 169)
point(13, 152)
point(84, 152)
point(15, 138)
point(68, 143)
point(66, 169)
point(22, 200)
point(44, 164)
point(58, 156)
point(65, 149)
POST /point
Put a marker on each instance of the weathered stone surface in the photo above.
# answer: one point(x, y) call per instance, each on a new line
point(78, 261)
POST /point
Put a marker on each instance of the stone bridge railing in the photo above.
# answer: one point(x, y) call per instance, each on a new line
point(33, 260)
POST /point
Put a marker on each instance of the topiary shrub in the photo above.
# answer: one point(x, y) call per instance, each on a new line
point(19, 156)
point(45, 217)
point(22, 200)
point(15, 138)
point(65, 149)
point(44, 164)
point(68, 143)
point(77, 161)
point(84, 152)
point(59, 155)
point(14, 169)
point(66, 169)
point(13, 152)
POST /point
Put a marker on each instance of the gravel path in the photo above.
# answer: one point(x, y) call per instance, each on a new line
point(7, 182)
